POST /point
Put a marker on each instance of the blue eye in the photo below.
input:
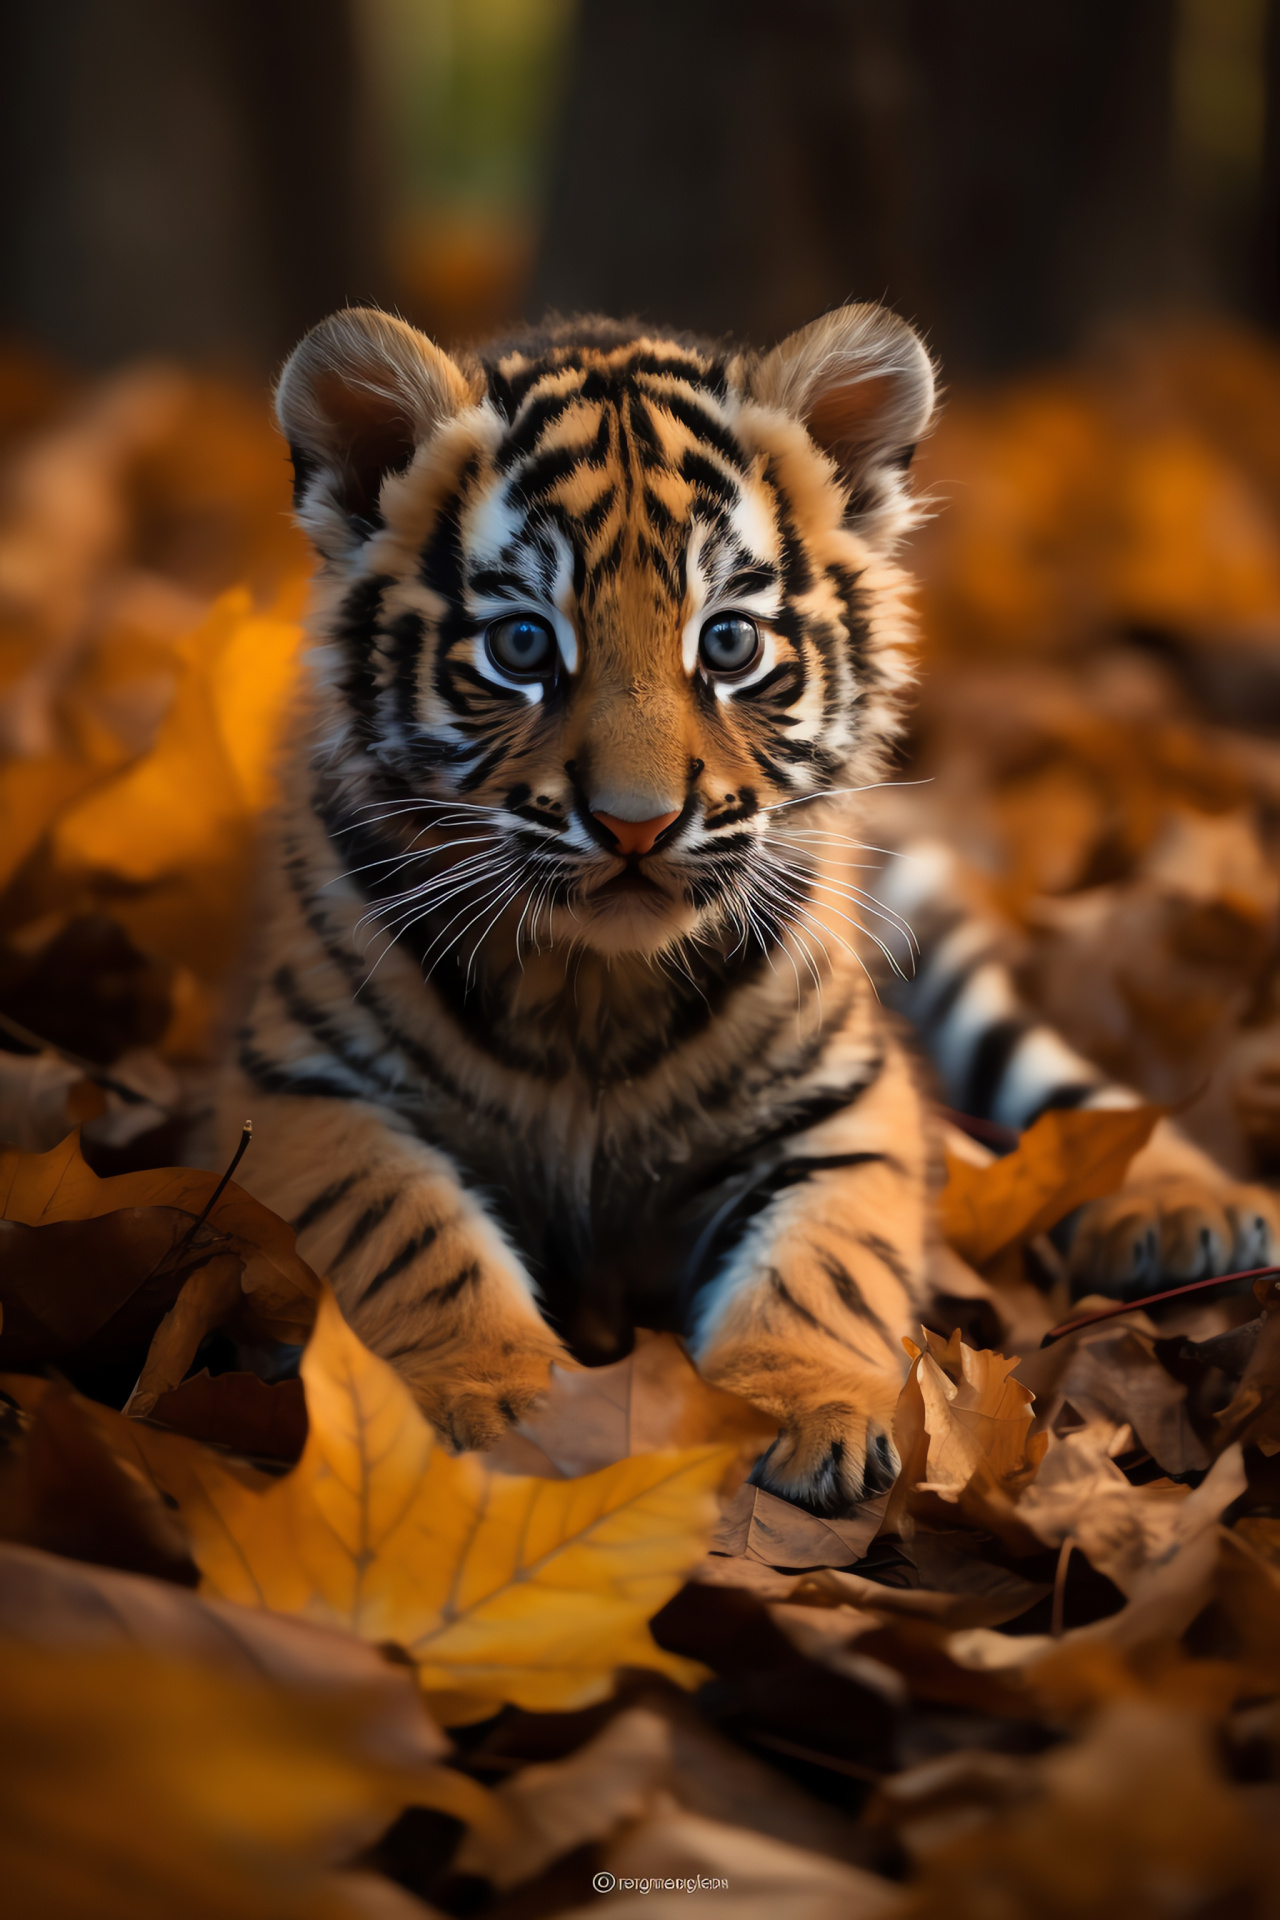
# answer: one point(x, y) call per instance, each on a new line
point(729, 644)
point(522, 645)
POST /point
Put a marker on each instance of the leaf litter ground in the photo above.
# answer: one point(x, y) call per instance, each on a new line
point(268, 1647)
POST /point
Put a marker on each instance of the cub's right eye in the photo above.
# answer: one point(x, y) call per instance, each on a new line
point(522, 645)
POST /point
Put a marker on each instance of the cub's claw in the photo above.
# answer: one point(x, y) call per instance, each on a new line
point(830, 1461)
point(1170, 1229)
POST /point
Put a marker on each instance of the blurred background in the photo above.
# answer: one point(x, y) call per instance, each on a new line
point(206, 178)
point(1078, 205)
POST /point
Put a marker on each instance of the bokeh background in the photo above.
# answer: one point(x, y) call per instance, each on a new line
point(1079, 206)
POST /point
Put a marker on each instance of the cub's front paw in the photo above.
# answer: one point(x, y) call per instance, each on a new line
point(830, 1459)
point(835, 1446)
point(473, 1395)
point(1171, 1228)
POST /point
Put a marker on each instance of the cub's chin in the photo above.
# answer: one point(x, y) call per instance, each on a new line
point(632, 913)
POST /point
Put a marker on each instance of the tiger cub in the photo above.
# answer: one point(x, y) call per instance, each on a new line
point(561, 1023)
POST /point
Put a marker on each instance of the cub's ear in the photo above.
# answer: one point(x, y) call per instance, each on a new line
point(360, 393)
point(862, 382)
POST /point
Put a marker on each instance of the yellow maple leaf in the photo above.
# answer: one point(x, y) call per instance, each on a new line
point(1063, 1160)
point(499, 1588)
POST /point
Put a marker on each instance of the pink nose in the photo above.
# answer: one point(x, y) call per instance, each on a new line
point(635, 836)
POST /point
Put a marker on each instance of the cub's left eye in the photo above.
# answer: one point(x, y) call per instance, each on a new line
point(729, 644)
point(522, 645)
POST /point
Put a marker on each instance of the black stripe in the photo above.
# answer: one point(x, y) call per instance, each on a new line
point(399, 1261)
point(542, 411)
point(452, 1288)
point(888, 1256)
point(854, 1299)
point(315, 1020)
point(356, 628)
point(324, 1202)
point(813, 1108)
point(1064, 1097)
point(996, 1047)
point(701, 424)
point(783, 1293)
point(707, 478)
point(797, 570)
point(939, 1009)
point(361, 1229)
point(272, 1077)
point(547, 470)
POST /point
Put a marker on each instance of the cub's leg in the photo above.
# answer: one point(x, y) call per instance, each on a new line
point(421, 1272)
point(1179, 1215)
point(806, 1319)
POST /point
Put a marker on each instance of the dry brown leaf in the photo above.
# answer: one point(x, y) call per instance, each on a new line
point(46, 1601)
point(153, 1453)
point(1066, 1158)
point(498, 1588)
point(91, 1287)
point(759, 1878)
point(239, 1411)
point(1252, 1416)
point(654, 1398)
point(963, 1433)
point(63, 1487)
point(1113, 1374)
point(1129, 1533)
point(773, 1531)
point(547, 1811)
point(1136, 1819)
point(271, 1290)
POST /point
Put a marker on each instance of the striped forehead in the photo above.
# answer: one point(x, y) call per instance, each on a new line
point(614, 456)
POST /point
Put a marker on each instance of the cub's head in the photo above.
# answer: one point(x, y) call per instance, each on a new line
point(604, 613)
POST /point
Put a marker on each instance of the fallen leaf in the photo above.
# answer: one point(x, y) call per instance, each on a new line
point(1064, 1159)
point(1127, 1532)
point(177, 827)
point(271, 1290)
point(829, 1636)
point(136, 1787)
point(46, 1601)
point(962, 1428)
point(63, 1488)
point(130, 1439)
point(547, 1811)
point(755, 1876)
point(769, 1694)
point(704, 1773)
point(1134, 1819)
point(763, 1527)
point(1115, 1375)
point(654, 1398)
point(977, 1418)
point(239, 1411)
point(1252, 1416)
point(96, 1286)
point(497, 1588)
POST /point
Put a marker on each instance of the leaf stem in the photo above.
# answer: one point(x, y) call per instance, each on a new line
point(1155, 1300)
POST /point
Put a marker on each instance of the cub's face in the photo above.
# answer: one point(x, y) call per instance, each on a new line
point(605, 615)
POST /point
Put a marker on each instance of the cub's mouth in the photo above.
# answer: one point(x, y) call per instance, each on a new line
point(632, 880)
